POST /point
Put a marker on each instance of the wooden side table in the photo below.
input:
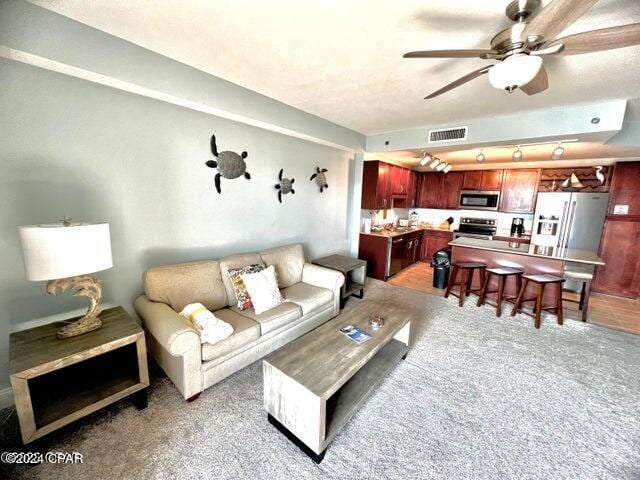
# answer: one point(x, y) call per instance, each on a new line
point(354, 271)
point(57, 381)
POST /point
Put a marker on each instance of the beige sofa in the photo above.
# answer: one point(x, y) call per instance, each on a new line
point(312, 295)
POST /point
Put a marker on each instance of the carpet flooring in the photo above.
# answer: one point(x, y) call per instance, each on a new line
point(477, 397)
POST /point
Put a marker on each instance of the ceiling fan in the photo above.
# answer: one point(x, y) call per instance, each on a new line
point(520, 48)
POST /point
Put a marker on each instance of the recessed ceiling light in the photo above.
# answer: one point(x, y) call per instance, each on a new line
point(557, 152)
point(441, 167)
point(480, 157)
point(426, 158)
point(434, 163)
point(517, 155)
point(448, 168)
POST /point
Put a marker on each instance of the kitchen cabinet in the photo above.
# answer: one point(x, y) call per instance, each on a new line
point(450, 190)
point(429, 192)
point(519, 190)
point(412, 244)
point(399, 180)
point(375, 250)
point(484, 180)
point(376, 185)
point(412, 194)
point(432, 241)
point(440, 190)
point(619, 249)
point(625, 189)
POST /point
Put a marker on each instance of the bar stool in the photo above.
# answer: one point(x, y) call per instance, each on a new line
point(503, 274)
point(540, 280)
point(468, 268)
point(584, 275)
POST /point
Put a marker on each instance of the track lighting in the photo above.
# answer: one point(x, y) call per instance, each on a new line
point(557, 152)
point(480, 157)
point(426, 158)
point(517, 155)
point(434, 163)
point(441, 167)
point(448, 168)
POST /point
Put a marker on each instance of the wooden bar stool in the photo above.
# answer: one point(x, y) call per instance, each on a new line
point(540, 280)
point(503, 274)
point(585, 277)
point(467, 268)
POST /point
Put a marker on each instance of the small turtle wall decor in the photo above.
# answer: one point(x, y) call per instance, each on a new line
point(229, 164)
point(320, 178)
point(285, 186)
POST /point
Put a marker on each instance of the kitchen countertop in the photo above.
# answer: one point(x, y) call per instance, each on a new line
point(392, 234)
point(566, 254)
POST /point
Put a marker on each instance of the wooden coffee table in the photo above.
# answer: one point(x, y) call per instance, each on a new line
point(313, 385)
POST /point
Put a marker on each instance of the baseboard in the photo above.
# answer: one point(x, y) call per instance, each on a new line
point(6, 397)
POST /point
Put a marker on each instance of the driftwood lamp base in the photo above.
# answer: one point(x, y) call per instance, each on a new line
point(84, 286)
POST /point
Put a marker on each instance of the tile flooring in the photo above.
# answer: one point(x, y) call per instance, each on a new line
point(613, 312)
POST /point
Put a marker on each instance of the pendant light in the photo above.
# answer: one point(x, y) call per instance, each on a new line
point(557, 152)
point(517, 155)
point(480, 157)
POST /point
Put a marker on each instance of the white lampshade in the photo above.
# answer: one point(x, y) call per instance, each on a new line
point(56, 251)
point(515, 71)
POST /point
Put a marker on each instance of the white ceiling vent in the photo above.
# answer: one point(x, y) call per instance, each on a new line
point(447, 134)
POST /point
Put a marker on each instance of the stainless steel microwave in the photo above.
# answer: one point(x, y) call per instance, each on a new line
point(478, 200)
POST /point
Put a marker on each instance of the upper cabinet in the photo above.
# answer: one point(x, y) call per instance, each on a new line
point(440, 190)
point(399, 180)
point(486, 180)
point(625, 199)
point(376, 185)
point(519, 190)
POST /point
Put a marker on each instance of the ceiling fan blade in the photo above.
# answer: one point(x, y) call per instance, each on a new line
point(556, 17)
point(539, 83)
point(449, 54)
point(461, 81)
point(598, 40)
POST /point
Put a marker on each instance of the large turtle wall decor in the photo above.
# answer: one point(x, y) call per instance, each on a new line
point(320, 178)
point(285, 186)
point(229, 164)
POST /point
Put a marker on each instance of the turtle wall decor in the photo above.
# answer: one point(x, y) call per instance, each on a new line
point(229, 164)
point(320, 178)
point(285, 186)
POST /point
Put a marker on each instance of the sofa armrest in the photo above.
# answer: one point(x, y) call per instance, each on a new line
point(172, 331)
point(323, 277)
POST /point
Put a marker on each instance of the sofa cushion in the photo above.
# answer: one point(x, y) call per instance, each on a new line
point(284, 313)
point(309, 297)
point(245, 331)
point(185, 283)
point(288, 260)
point(236, 261)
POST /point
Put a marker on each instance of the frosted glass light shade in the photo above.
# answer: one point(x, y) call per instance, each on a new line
point(515, 71)
point(55, 251)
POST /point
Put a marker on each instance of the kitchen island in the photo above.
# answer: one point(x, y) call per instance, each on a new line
point(531, 259)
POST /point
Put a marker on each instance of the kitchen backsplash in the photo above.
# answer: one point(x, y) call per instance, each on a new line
point(436, 217)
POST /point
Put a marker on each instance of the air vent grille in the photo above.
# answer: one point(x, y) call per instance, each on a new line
point(447, 134)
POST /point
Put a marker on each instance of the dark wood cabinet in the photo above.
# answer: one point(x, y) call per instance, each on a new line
point(412, 194)
point(450, 190)
point(519, 190)
point(625, 189)
point(619, 249)
point(485, 180)
point(399, 180)
point(429, 193)
point(376, 185)
point(440, 190)
point(375, 250)
point(432, 241)
point(412, 245)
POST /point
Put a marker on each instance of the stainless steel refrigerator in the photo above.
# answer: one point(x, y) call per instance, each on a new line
point(569, 220)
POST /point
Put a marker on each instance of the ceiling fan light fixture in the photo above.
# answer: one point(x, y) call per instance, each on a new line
point(517, 155)
point(515, 71)
point(480, 157)
point(557, 152)
point(448, 168)
point(426, 158)
point(434, 163)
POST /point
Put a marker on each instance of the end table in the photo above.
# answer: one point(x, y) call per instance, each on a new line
point(57, 381)
point(354, 271)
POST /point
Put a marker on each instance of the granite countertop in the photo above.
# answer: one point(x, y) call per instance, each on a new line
point(392, 233)
point(567, 254)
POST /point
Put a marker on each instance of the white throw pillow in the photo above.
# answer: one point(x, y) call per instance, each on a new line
point(263, 289)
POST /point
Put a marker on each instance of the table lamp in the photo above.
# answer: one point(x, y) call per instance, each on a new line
point(64, 254)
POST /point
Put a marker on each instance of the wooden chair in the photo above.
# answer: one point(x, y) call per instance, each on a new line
point(503, 274)
point(586, 277)
point(540, 280)
point(467, 269)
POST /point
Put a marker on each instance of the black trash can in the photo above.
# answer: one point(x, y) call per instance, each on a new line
point(441, 262)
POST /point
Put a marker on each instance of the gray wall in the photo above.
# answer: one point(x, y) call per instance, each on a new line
point(71, 147)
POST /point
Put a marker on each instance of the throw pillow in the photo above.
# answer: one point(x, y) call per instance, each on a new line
point(242, 296)
point(263, 289)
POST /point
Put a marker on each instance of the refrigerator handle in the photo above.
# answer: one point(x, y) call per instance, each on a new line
point(572, 220)
point(563, 225)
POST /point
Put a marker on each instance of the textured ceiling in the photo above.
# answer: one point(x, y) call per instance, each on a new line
point(342, 60)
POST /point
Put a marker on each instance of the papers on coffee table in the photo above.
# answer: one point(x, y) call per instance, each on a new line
point(355, 334)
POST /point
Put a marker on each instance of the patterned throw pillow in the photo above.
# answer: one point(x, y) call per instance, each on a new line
point(244, 300)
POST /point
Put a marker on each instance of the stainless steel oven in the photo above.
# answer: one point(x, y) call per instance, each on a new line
point(477, 200)
point(484, 228)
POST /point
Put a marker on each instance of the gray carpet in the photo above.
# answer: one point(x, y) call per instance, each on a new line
point(477, 397)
